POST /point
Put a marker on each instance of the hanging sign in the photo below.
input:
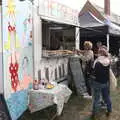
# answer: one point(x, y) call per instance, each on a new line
point(58, 12)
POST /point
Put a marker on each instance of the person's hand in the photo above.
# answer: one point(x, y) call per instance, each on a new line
point(76, 52)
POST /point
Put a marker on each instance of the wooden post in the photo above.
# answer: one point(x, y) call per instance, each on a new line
point(77, 38)
point(37, 41)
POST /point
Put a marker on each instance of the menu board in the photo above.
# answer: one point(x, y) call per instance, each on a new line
point(77, 74)
point(4, 113)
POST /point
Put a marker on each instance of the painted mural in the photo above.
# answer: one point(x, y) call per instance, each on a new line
point(17, 48)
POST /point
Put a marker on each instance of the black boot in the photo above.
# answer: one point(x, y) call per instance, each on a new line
point(92, 117)
point(108, 113)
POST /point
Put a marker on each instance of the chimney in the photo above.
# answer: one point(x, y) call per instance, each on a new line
point(107, 7)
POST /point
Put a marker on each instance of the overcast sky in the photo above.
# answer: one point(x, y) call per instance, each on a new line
point(78, 4)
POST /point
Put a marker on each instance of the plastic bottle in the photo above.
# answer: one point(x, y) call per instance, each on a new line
point(35, 85)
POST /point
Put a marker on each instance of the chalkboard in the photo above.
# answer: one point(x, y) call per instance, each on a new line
point(4, 113)
point(77, 75)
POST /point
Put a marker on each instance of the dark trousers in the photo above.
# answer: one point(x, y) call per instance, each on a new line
point(98, 90)
point(88, 85)
point(88, 82)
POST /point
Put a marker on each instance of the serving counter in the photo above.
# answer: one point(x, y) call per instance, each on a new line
point(53, 67)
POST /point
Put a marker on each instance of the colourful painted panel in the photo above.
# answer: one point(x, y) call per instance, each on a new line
point(17, 48)
point(17, 104)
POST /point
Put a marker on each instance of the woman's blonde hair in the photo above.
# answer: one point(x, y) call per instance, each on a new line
point(88, 45)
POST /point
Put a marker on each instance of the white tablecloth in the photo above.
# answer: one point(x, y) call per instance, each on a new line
point(42, 98)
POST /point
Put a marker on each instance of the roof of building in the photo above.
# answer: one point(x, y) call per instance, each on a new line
point(99, 12)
